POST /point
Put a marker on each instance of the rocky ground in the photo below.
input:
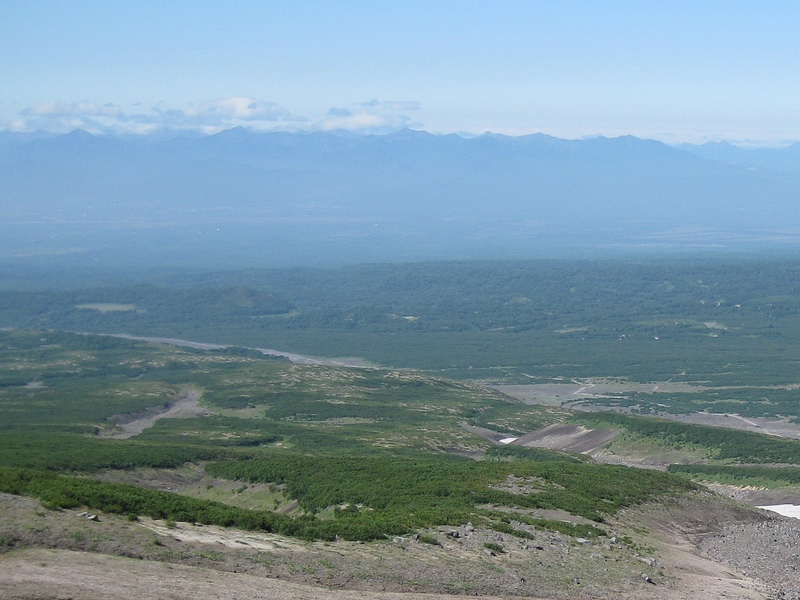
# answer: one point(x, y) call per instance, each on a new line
point(768, 551)
point(700, 547)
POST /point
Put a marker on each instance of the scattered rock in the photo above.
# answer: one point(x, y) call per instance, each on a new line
point(768, 550)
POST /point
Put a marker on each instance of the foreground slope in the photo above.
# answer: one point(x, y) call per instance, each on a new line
point(149, 559)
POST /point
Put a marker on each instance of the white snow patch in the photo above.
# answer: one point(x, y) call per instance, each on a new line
point(787, 510)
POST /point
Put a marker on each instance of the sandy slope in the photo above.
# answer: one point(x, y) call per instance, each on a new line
point(63, 574)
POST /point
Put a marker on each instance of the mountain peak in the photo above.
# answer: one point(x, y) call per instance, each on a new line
point(78, 134)
point(407, 134)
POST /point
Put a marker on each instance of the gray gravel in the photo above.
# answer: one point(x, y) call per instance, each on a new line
point(768, 551)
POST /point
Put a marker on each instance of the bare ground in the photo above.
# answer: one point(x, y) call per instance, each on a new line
point(68, 575)
point(63, 574)
point(777, 427)
point(295, 358)
point(561, 393)
point(574, 438)
point(133, 424)
point(759, 496)
point(571, 394)
point(63, 555)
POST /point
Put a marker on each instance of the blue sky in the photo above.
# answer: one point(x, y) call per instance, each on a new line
point(671, 70)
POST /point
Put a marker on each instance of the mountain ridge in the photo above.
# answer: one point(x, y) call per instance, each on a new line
point(426, 196)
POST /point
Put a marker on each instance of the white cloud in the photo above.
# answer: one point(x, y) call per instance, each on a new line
point(208, 117)
point(80, 109)
point(226, 113)
point(340, 112)
point(361, 122)
point(401, 106)
point(371, 117)
point(247, 109)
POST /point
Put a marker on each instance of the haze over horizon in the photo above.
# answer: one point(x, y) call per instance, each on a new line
point(673, 72)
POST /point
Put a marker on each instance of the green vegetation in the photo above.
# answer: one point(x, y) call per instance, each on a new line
point(727, 445)
point(63, 385)
point(428, 539)
point(516, 419)
point(742, 400)
point(534, 454)
point(72, 492)
point(365, 453)
point(372, 497)
point(425, 492)
point(741, 475)
point(65, 452)
point(505, 523)
point(153, 306)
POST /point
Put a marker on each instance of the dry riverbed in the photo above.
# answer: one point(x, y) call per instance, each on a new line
point(133, 424)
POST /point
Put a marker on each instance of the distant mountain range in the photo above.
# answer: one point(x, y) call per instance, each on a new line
point(294, 198)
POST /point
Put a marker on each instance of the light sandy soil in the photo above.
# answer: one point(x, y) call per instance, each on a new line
point(570, 395)
point(62, 574)
point(781, 428)
point(560, 393)
point(574, 438)
point(133, 424)
point(295, 358)
point(758, 496)
point(230, 538)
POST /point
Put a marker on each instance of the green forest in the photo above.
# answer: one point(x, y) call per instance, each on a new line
point(725, 322)
point(366, 453)
point(408, 439)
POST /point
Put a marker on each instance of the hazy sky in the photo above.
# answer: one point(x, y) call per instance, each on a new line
point(672, 70)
